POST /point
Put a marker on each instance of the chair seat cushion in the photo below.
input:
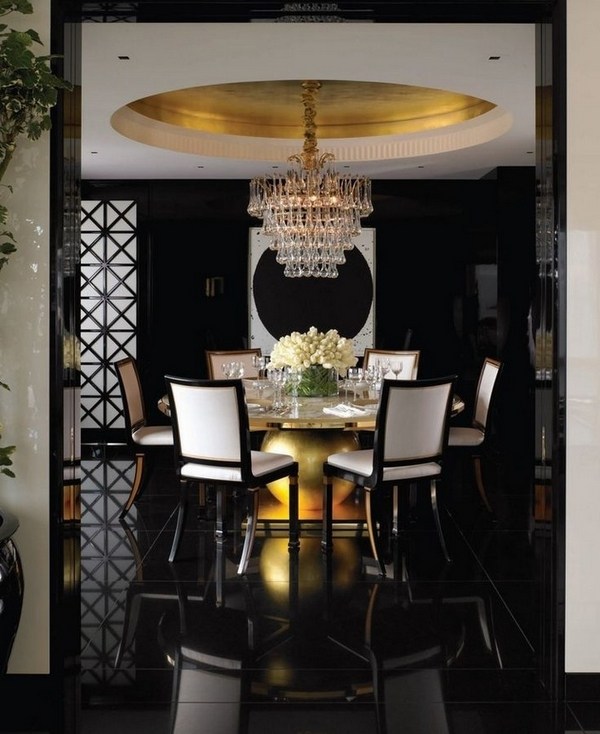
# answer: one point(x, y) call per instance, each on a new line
point(465, 436)
point(361, 462)
point(153, 436)
point(208, 472)
point(263, 463)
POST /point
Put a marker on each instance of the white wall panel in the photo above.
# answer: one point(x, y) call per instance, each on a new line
point(24, 365)
point(583, 338)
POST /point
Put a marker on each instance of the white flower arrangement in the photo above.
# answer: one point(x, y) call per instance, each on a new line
point(314, 347)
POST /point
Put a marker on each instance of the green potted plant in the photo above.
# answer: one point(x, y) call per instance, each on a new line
point(28, 91)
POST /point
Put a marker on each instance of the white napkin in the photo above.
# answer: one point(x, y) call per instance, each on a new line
point(344, 409)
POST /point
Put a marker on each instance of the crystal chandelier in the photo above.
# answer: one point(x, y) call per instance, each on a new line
point(311, 214)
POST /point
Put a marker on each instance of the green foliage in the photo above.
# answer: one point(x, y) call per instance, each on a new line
point(28, 91)
point(7, 241)
point(28, 87)
point(6, 451)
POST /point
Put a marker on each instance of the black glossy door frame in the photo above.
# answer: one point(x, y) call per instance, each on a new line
point(59, 691)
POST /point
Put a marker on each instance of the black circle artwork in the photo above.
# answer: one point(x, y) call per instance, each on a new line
point(295, 304)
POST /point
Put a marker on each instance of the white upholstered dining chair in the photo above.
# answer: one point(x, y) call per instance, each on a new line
point(409, 445)
point(472, 440)
point(144, 439)
point(212, 446)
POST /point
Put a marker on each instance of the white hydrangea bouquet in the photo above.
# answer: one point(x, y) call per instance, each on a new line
point(320, 355)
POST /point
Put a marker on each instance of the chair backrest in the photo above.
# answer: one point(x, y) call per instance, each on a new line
point(210, 424)
point(408, 357)
point(412, 421)
point(131, 392)
point(215, 359)
point(488, 378)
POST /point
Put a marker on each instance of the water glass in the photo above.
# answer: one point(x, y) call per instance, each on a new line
point(293, 378)
point(277, 377)
point(374, 376)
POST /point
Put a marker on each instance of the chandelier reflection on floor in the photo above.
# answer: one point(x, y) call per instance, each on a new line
point(313, 213)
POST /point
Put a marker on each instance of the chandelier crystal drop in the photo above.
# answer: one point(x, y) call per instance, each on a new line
point(313, 213)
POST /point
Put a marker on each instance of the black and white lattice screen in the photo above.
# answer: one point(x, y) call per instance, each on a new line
point(109, 306)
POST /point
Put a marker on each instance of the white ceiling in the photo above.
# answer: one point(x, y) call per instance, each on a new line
point(164, 57)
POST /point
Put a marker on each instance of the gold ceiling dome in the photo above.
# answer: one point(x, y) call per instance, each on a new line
point(358, 121)
point(347, 109)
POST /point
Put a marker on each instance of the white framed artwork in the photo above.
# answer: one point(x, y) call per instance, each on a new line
point(280, 305)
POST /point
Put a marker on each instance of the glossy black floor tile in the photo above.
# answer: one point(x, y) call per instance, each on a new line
point(587, 714)
point(306, 642)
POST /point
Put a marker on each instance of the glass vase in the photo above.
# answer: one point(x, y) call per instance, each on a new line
point(318, 382)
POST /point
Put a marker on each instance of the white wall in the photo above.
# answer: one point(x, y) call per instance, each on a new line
point(582, 642)
point(24, 365)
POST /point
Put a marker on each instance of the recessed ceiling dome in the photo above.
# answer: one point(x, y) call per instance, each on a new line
point(264, 119)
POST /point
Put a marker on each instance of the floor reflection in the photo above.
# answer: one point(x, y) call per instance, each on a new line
point(304, 642)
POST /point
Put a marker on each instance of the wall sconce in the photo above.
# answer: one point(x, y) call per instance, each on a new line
point(214, 286)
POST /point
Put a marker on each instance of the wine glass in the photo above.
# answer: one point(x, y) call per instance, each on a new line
point(396, 365)
point(232, 370)
point(260, 362)
point(355, 375)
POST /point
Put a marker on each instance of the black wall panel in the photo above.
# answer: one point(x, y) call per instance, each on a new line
point(430, 237)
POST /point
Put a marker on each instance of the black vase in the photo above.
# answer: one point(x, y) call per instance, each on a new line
point(11, 587)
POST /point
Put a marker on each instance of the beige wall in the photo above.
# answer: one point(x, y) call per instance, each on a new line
point(582, 642)
point(24, 364)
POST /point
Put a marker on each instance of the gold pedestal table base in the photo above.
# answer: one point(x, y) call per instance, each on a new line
point(310, 447)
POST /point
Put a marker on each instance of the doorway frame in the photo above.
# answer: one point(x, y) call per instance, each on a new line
point(64, 192)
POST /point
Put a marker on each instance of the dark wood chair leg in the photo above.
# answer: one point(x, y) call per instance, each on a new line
point(479, 482)
point(294, 532)
point(372, 529)
point(436, 517)
point(137, 486)
point(326, 532)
